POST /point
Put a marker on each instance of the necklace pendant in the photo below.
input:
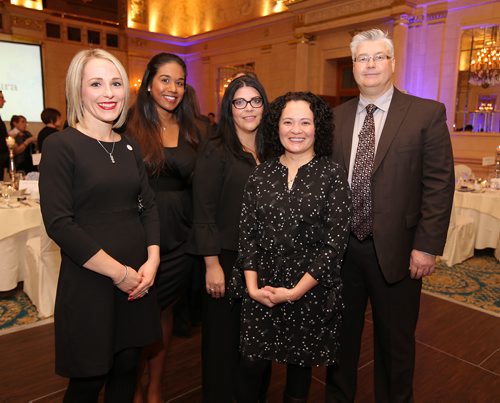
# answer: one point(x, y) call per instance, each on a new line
point(112, 159)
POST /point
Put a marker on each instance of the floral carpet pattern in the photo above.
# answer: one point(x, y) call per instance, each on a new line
point(17, 310)
point(475, 283)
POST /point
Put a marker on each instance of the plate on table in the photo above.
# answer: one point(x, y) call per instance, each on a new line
point(10, 204)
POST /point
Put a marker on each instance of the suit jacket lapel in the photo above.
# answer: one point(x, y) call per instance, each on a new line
point(395, 115)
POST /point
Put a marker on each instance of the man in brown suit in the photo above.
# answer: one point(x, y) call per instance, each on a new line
point(400, 218)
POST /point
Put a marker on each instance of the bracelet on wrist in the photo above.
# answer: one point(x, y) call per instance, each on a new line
point(123, 278)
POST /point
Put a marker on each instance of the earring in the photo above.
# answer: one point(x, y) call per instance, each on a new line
point(149, 89)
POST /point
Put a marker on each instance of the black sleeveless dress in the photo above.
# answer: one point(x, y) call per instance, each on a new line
point(174, 202)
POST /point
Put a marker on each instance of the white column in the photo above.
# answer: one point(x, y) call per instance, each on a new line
point(302, 63)
point(400, 39)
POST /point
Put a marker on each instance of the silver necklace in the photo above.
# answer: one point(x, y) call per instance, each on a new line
point(107, 152)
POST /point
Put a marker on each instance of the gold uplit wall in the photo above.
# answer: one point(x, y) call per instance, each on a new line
point(183, 19)
point(35, 4)
point(292, 45)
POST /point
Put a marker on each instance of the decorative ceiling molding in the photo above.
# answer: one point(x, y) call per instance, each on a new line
point(27, 23)
point(344, 10)
point(437, 17)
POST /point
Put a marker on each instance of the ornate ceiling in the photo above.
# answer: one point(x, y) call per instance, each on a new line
point(173, 17)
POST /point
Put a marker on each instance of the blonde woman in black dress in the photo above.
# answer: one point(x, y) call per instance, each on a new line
point(293, 233)
point(90, 180)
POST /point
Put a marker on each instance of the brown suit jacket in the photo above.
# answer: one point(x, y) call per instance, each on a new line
point(412, 179)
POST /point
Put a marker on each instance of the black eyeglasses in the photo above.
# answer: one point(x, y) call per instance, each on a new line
point(241, 103)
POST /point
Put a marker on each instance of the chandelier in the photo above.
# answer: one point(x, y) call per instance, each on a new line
point(485, 65)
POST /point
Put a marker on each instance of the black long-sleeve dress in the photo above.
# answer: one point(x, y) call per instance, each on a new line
point(88, 203)
point(218, 185)
point(284, 234)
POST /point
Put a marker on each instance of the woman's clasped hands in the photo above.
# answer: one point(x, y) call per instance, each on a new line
point(136, 283)
point(271, 296)
point(145, 276)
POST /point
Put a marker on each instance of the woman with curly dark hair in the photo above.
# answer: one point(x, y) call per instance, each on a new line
point(322, 122)
point(293, 233)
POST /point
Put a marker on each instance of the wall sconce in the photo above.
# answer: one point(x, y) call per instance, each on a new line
point(227, 74)
point(486, 107)
point(136, 84)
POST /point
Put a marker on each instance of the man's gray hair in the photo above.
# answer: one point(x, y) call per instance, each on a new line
point(371, 35)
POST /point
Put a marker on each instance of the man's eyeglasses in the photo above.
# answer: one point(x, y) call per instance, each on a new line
point(241, 103)
point(376, 59)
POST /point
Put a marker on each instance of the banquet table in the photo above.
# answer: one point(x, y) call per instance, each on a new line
point(484, 208)
point(27, 254)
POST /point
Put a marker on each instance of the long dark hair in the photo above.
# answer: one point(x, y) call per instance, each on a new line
point(144, 123)
point(226, 131)
point(323, 123)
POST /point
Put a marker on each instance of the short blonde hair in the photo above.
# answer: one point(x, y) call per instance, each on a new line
point(371, 35)
point(74, 79)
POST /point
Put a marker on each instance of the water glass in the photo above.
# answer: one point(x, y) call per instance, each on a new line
point(7, 190)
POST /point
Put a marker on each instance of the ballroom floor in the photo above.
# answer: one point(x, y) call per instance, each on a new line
point(458, 360)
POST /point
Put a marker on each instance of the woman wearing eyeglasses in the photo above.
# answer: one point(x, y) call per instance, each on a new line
point(220, 176)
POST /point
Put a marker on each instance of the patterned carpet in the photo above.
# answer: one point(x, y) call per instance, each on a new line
point(474, 283)
point(17, 310)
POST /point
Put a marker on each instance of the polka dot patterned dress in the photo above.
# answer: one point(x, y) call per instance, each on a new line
point(285, 233)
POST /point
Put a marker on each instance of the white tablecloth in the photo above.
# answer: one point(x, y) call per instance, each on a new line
point(484, 209)
point(27, 254)
point(21, 218)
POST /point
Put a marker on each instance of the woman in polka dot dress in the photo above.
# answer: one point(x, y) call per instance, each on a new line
point(293, 233)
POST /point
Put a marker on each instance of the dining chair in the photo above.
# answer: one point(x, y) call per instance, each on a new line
point(463, 171)
point(460, 239)
point(40, 283)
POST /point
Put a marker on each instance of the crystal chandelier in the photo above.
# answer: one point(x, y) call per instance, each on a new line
point(485, 65)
